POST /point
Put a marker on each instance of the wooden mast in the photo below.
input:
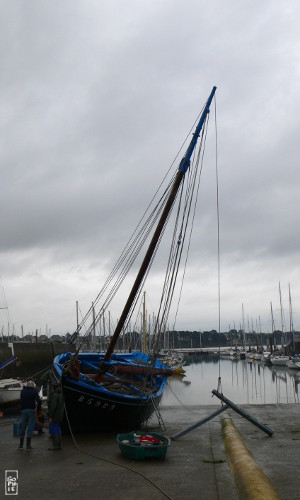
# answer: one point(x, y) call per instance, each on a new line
point(183, 167)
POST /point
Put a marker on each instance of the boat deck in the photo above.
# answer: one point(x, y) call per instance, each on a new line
point(196, 466)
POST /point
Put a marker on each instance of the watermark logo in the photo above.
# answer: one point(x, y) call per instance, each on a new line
point(11, 482)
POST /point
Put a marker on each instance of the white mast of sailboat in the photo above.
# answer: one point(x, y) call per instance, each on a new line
point(273, 326)
point(291, 320)
point(243, 325)
point(282, 318)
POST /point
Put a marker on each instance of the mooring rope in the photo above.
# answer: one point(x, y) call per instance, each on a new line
point(41, 371)
point(214, 462)
point(112, 462)
point(180, 402)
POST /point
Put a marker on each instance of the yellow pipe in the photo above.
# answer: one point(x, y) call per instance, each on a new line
point(250, 480)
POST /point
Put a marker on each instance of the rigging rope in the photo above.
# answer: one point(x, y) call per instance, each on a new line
point(218, 229)
point(127, 258)
point(137, 241)
point(188, 409)
point(176, 249)
point(177, 246)
point(190, 236)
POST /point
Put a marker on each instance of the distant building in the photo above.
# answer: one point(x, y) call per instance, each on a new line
point(56, 338)
point(29, 338)
point(43, 338)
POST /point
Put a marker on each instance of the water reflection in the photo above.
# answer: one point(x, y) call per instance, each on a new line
point(243, 382)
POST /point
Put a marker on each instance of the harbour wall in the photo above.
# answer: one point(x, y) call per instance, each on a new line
point(31, 357)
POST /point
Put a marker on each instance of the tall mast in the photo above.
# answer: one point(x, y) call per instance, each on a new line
point(291, 320)
point(144, 323)
point(272, 318)
point(281, 315)
point(273, 328)
point(243, 325)
point(183, 167)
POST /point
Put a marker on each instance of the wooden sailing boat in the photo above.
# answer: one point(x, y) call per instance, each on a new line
point(121, 391)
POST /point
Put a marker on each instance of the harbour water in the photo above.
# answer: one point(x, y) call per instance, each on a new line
point(243, 382)
point(197, 462)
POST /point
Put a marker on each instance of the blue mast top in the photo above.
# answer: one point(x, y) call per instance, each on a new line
point(185, 162)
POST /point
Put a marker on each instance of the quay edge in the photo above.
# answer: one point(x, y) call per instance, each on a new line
point(195, 466)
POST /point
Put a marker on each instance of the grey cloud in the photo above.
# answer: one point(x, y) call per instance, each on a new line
point(96, 101)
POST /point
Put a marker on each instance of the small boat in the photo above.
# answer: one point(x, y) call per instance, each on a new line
point(279, 360)
point(265, 356)
point(235, 354)
point(10, 391)
point(175, 362)
point(138, 445)
point(242, 353)
point(105, 391)
point(178, 370)
point(294, 364)
point(254, 355)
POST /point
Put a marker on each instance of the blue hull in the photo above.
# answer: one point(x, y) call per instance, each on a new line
point(110, 405)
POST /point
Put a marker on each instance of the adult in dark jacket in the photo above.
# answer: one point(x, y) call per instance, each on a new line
point(56, 408)
point(29, 401)
point(47, 381)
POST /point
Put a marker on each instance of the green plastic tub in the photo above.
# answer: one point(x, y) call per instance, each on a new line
point(133, 446)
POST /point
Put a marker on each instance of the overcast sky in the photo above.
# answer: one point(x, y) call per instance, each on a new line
point(96, 99)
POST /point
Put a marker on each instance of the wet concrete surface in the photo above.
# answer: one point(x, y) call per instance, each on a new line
point(195, 467)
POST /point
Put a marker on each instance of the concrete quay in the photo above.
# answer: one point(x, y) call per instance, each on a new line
point(196, 465)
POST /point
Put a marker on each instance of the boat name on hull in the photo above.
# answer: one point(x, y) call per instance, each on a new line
point(91, 401)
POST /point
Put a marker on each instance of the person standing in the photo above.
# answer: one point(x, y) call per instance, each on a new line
point(47, 381)
point(56, 408)
point(29, 401)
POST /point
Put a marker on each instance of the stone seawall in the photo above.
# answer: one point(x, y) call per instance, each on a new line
point(31, 357)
